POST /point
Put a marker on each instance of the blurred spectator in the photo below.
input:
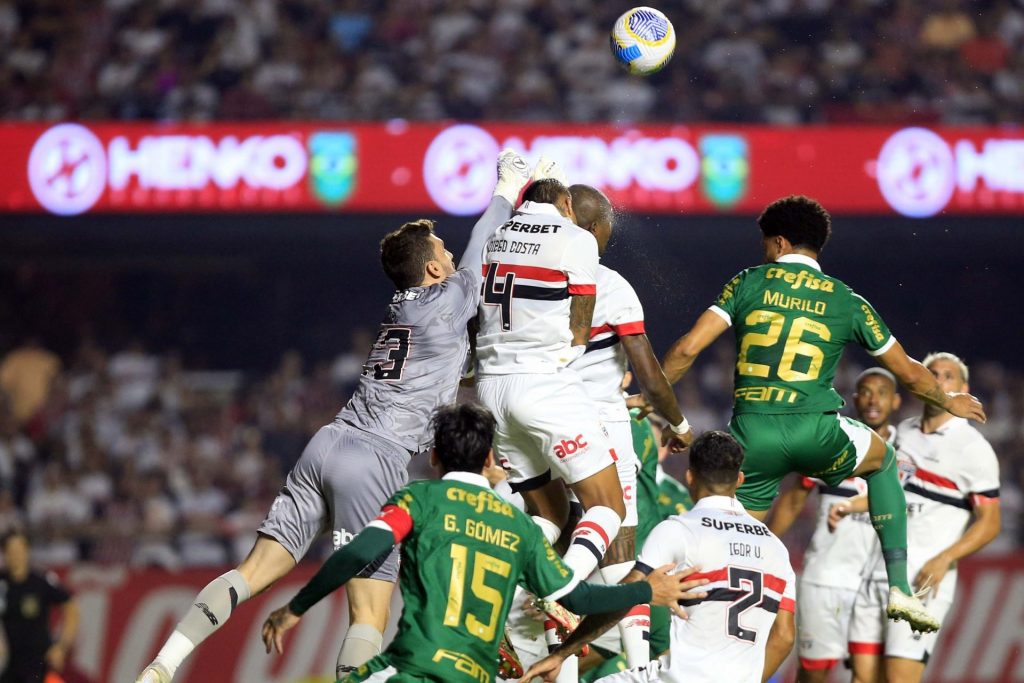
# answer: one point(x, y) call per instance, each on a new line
point(509, 59)
point(25, 376)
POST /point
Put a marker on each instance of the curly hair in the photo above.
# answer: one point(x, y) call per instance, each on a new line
point(801, 220)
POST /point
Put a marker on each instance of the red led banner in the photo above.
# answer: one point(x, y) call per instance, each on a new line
point(73, 168)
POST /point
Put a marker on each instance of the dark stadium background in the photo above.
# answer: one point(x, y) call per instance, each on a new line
point(243, 332)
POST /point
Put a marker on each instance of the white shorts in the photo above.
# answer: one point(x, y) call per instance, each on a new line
point(872, 633)
point(627, 464)
point(524, 632)
point(547, 428)
point(823, 623)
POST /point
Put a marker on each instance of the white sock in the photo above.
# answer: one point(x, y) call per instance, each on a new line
point(211, 608)
point(635, 627)
point(362, 643)
point(594, 533)
point(550, 530)
point(635, 630)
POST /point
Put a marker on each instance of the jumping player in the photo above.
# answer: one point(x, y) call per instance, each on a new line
point(792, 322)
point(837, 559)
point(351, 466)
point(464, 549)
point(952, 490)
point(535, 318)
point(618, 340)
point(743, 630)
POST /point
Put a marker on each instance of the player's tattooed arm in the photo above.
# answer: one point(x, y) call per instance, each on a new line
point(622, 549)
point(921, 383)
point(581, 315)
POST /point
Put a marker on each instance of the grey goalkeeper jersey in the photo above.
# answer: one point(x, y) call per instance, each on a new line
point(416, 362)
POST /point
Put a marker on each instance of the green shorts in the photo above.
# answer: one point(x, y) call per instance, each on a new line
point(825, 446)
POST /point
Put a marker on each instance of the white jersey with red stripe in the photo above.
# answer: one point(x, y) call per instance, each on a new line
point(839, 559)
point(949, 472)
point(844, 557)
point(532, 265)
point(617, 313)
point(750, 577)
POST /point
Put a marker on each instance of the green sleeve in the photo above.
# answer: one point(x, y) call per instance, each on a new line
point(369, 545)
point(544, 573)
point(726, 301)
point(868, 328)
point(588, 598)
point(644, 444)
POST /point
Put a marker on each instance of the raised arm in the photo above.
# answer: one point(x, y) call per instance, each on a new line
point(921, 383)
point(654, 384)
point(709, 326)
point(513, 174)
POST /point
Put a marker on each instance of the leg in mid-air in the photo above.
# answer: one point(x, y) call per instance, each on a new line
point(267, 562)
point(342, 478)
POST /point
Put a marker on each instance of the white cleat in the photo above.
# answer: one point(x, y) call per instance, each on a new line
point(548, 168)
point(513, 175)
point(909, 608)
point(154, 673)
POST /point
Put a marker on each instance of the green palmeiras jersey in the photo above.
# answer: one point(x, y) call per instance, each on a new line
point(462, 540)
point(658, 495)
point(792, 323)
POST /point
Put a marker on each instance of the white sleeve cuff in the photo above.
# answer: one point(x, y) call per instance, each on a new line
point(884, 347)
point(721, 314)
point(564, 590)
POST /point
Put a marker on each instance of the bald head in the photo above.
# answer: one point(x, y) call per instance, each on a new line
point(594, 213)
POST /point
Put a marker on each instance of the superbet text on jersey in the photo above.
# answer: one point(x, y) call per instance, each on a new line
point(532, 265)
point(751, 579)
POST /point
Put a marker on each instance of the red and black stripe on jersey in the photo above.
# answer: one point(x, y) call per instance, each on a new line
point(942, 490)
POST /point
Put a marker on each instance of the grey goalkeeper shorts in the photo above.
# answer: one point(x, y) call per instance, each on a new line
point(340, 482)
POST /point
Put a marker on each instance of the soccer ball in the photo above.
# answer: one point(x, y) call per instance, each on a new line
point(643, 40)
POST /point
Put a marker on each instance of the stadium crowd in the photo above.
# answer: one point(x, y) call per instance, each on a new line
point(128, 457)
point(780, 61)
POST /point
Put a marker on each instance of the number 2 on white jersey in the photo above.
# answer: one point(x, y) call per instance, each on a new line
point(750, 583)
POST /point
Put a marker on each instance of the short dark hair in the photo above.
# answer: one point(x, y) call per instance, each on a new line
point(545, 191)
point(404, 253)
point(801, 220)
point(590, 205)
point(462, 436)
point(716, 458)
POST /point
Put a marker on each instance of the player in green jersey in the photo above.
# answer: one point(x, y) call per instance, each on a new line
point(792, 323)
point(464, 549)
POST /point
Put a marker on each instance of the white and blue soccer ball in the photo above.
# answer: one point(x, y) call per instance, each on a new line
point(643, 40)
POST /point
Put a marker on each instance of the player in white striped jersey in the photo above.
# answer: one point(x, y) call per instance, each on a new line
point(618, 339)
point(742, 630)
point(952, 491)
point(836, 560)
point(536, 308)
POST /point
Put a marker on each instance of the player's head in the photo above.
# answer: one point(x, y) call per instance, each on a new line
point(715, 461)
point(16, 552)
point(462, 438)
point(950, 372)
point(594, 213)
point(876, 398)
point(551, 191)
point(413, 256)
point(792, 223)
